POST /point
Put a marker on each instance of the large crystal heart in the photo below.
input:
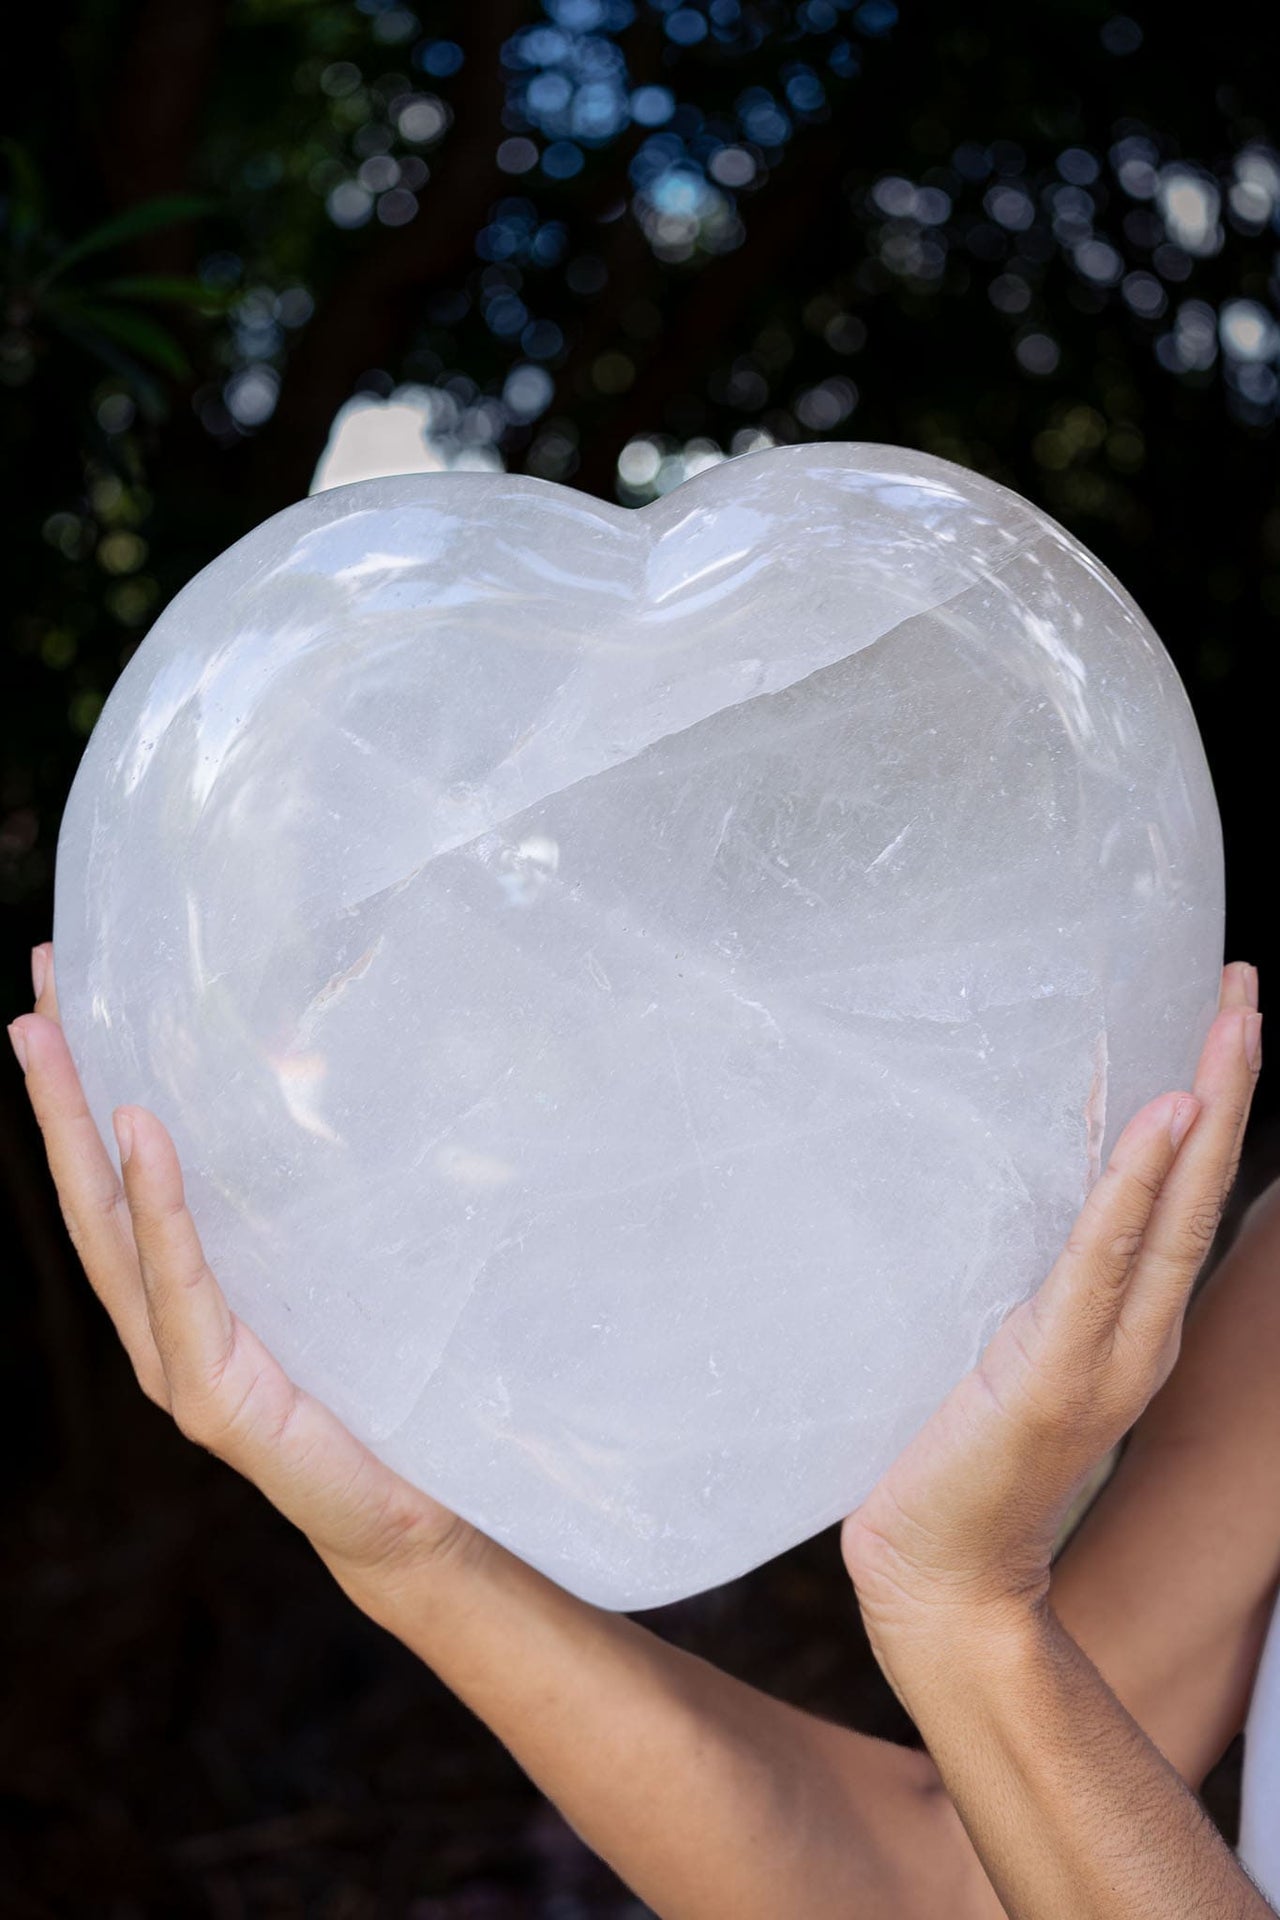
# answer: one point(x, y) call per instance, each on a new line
point(639, 995)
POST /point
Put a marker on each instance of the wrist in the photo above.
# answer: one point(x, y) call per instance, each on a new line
point(421, 1567)
point(968, 1647)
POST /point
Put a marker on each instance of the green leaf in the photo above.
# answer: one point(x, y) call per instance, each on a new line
point(145, 389)
point(26, 193)
point(137, 331)
point(169, 288)
point(146, 217)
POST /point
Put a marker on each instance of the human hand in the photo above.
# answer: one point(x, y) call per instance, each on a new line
point(194, 1357)
point(958, 1535)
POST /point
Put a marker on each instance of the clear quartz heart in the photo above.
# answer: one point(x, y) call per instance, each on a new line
point(638, 995)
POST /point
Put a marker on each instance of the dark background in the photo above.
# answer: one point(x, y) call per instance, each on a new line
point(1038, 239)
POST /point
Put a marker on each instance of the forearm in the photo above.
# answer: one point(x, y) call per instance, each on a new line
point(1191, 1520)
point(707, 1797)
point(1070, 1807)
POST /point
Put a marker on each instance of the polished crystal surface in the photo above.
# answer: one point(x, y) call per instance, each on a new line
point(639, 994)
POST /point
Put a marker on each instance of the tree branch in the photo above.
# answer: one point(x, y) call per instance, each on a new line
point(368, 315)
point(712, 309)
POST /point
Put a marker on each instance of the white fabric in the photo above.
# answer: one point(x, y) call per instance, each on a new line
point(1260, 1800)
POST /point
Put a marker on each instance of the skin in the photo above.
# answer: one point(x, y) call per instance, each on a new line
point(1065, 1720)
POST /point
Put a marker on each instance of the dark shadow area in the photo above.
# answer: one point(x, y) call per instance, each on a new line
point(612, 238)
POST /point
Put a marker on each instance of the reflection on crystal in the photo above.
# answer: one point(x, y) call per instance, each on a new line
point(638, 995)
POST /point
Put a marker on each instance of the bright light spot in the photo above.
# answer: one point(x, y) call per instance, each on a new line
point(1098, 262)
point(638, 463)
point(823, 407)
point(1010, 207)
point(371, 437)
point(349, 204)
point(517, 155)
point(701, 454)
point(423, 118)
point(528, 391)
point(395, 25)
point(1009, 293)
point(1261, 168)
point(652, 106)
point(1256, 191)
point(116, 413)
point(732, 167)
point(1195, 336)
point(397, 208)
point(294, 307)
point(1190, 204)
point(680, 210)
point(652, 464)
point(686, 27)
point(1037, 353)
point(250, 395)
point(442, 58)
point(1078, 166)
point(1248, 331)
point(1144, 294)
point(1134, 160)
point(548, 94)
point(894, 196)
point(751, 440)
point(379, 173)
point(933, 206)
point(561, 160)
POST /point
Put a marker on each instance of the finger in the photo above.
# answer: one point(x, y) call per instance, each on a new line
point(1077, 1307)
point(228, 1393)
point(1239, 986)
point(191, 1324)
point(1186, 1217)
point(89, 1193)
point(42, 981)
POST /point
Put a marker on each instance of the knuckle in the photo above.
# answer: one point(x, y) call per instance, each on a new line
point(1117, 1254)
point(194, 1421)
point(1018, 1388)
point(219, 1416)
point(113, 1204)
point(276, 1427)
point(157, 1214)
point(1079, 1244)
point(151, 1378)
point(1200, 1227)
point(1146, 1181)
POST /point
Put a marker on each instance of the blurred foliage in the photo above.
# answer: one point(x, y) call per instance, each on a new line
point(603, 242)
point(606, 242)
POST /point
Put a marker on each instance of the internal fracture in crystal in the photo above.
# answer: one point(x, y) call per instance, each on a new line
point(639, 995)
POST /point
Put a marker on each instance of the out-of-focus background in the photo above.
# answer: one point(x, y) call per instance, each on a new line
point(252, 247)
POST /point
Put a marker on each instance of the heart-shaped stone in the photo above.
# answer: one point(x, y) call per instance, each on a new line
point(639, 995)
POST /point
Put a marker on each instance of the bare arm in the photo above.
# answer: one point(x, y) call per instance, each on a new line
point(1169, 1582)
point(705, 1795)
point(1069, 1804)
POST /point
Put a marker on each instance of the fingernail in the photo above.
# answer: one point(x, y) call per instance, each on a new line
point(1183, 1114)
point(40, 968)
point(124, 1134)
point(1253, 1039)
point(1251, 985)
point(19, 1044)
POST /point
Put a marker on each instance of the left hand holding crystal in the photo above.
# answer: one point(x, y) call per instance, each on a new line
point(961, 1530)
